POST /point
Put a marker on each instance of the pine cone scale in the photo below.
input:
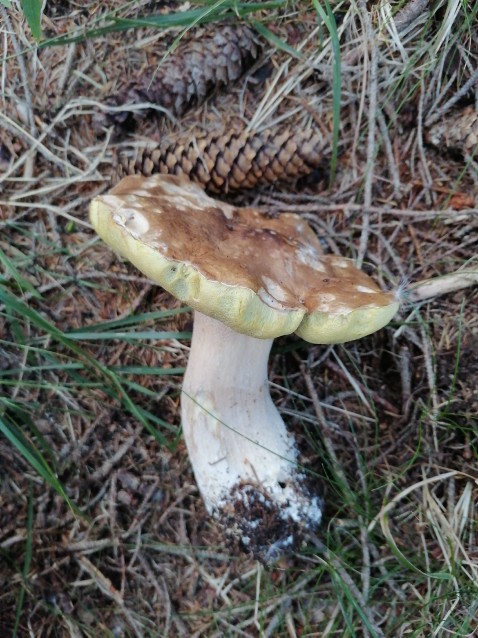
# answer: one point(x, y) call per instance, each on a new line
point(189, 74)
point(235, 159)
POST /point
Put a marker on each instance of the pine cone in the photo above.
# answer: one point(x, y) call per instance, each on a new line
point(233, 158)
point(191, 73)
point(457, 132)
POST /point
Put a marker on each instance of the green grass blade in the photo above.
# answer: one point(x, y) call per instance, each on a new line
point(139, 319)
point(273, 39)
point(19, 415)
point(400, 556)
point(32, 11)
point(26, 563)
point(127, 336)
point(26, 311)
point(328, 18)
point(149, 371)
point(33, 456)
point(23, 284)
point(223, 11)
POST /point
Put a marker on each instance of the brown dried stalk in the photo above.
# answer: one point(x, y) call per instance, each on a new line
point(187, 76)
point(233, 158)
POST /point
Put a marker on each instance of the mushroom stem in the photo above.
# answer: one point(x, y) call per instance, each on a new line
point(244, 460)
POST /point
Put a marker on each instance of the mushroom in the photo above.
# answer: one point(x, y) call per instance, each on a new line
point(249, 278)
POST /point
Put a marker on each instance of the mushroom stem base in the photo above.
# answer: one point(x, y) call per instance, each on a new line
point(244, 460)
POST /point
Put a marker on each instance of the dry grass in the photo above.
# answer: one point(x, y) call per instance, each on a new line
point(388, 425)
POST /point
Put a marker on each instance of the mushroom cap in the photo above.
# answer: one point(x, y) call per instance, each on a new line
point(261, 276)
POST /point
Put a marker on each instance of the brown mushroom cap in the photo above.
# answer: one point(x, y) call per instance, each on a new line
point(261, 276)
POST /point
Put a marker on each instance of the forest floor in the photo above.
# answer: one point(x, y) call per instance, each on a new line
point(102, 529)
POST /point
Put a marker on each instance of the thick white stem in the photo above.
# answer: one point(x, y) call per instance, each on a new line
point(240, 450)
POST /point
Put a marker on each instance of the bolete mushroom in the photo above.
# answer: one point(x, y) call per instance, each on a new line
point(250, 278)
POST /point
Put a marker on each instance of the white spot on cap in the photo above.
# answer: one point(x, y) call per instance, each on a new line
point(269, 300)
point(274, 289)
point(341, 263)
point(365, 289)
point(309, 256)
point(132, 221)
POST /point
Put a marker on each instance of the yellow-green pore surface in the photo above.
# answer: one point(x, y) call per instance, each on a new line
point(261, 276)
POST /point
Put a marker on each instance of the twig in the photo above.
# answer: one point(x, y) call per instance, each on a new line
point(428, 360)
point(349, 207)
point(436, 79)
point(405, 376)
point(392, 166)
point(105, 585)
point(23, 69)
point(34, 146)
point(290, 624)
point(372, 110)
point(363, 390)
point(66, 73)
point(4, 68)
point(85, 277)
point(437, 286)
point(326, 434)
point(427, 179)
point(472, 80)
point(258, 596)
point(30, 156)
point(103, 471)
point(58, 210)
point(409, 13)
